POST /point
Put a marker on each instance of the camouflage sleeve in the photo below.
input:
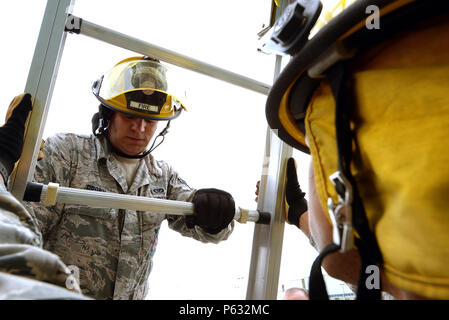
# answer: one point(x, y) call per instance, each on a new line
point(179, 190)
point(37, 264)
point(22, 259)
point(14, 287)
point(56, 166)
point(16, 224)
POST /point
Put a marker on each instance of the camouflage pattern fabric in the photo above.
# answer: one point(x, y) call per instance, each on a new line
point(111, 248)
point(26, 270)
point(20, 288)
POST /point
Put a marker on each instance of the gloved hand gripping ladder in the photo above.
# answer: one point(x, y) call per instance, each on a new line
point(52, 193)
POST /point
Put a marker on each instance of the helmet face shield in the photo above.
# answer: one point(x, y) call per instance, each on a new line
point(134, 75)
point(138, 87)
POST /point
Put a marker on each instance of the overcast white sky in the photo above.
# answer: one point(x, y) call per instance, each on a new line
point(218, 143)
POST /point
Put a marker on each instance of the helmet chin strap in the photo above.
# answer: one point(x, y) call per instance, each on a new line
point(143, 155)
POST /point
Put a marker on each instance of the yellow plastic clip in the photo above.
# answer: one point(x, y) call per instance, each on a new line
point(51, 193)
point(243, 215)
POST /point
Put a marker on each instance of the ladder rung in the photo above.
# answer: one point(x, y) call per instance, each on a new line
point(80, 26)
point(52, 193)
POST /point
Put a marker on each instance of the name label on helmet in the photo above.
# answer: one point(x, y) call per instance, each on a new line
point(143, 107)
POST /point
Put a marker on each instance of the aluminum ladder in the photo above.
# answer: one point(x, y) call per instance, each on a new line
point(57, 23)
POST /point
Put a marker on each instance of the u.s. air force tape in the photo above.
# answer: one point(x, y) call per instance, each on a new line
point(50, 194)
point(243, 215)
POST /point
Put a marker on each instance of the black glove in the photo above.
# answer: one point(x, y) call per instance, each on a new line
point(294, 195)
point(12, 132)
point(213, 210)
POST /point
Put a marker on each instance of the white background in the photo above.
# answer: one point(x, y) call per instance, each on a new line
point(218, 143)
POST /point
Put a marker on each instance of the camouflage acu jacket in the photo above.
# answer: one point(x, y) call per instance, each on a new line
point(112, 248)
point(26, 270)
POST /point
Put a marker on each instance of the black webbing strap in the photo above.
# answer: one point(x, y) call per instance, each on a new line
point(339, 79)
point(317, 287)
point(341, 84)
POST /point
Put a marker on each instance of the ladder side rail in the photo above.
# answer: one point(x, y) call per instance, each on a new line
point(40, 84)
point(267, 245)
point(263, 278)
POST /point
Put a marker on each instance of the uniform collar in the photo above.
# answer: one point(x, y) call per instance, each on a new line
point(104, 151)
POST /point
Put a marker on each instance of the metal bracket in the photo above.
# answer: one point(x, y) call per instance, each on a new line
point(341, 212)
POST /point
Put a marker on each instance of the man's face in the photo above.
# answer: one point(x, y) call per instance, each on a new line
point(130, 135)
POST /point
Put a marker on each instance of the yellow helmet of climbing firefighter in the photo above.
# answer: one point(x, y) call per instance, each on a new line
point(369, 91)
point(137, 86)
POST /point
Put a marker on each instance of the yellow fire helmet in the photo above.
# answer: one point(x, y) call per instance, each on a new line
point(137, 86)
point(369, 91)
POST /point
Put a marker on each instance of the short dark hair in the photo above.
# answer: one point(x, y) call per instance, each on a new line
point(101, 120)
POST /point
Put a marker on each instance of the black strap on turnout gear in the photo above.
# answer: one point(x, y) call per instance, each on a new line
point(338, 77)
